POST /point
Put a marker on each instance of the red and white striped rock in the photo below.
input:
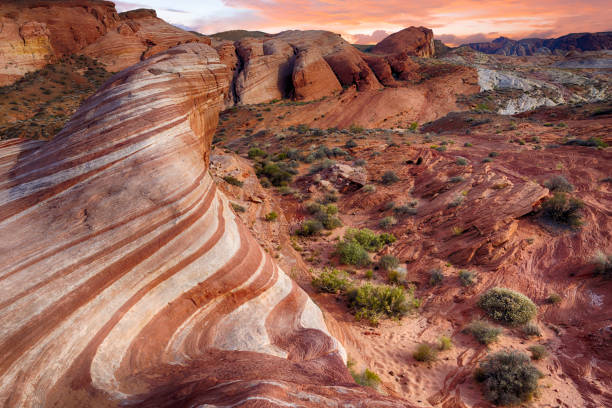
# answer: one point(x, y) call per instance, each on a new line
point(125, 278)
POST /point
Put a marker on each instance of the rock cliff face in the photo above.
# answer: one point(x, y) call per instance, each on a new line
point(32, 35)
point(417, 41)
point(130, 280)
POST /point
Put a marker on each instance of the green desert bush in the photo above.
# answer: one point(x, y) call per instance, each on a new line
point(483, 332)
point(372, 302)
point(425, 353)
point(387, 222)
point(461, 161)
point(508, 378)
point(271, 216)
point(388, 262)
point(507, 306)
point(389, 177)
point(404, 210)
point(467, 278)
point(445, 343)
point(367, 378)
point(436, 277)
point(279, 174)
point(256, 152)
point(368, 239)
point(603, 264)
point(532, 330)
point(564, 209)
point(331, 281)
point(352, 253)
point(554, 299)
point(368, 188)
point(233, 181)
point(538, 351)
point(559, 183)
point(238, 207)
point(310, 228)
point(350, 144)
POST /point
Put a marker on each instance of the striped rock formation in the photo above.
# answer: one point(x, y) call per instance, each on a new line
point(125, 278)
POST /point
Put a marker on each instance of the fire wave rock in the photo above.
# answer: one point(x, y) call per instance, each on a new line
point(125, 278)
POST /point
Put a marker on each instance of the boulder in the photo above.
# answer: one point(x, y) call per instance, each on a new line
point(417, 41)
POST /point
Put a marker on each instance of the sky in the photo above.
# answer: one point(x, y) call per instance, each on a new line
point(368, 21)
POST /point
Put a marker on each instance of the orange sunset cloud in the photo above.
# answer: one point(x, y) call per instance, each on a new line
point(455, 21)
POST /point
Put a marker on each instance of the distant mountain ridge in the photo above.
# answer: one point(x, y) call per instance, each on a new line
point(531, 46)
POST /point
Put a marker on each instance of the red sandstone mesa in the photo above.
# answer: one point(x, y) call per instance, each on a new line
point(127, 280)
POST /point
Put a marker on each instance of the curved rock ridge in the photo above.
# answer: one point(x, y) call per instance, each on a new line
point(125, 278)
point(32, 35)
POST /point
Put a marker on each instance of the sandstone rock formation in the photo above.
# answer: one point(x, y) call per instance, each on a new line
point(417, 41)
point(131, 282)
point(32, 35)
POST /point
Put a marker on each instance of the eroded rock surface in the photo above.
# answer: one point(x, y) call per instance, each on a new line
point(32, 35)
point(131, 282)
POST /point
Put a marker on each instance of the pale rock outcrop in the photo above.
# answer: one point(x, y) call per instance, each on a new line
point(125, 278)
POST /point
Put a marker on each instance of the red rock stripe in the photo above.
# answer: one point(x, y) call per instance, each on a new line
point(43, 323)
point(175, 198)
point(205, 203)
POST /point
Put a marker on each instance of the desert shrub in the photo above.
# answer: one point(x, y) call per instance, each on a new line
point(322, 165)
point(564, 209)
point(445, 343)
point(553, 299)
point(457, 201)
point(387, 222)
point(538, 351)
point(388, 206)
point(467, 144)
point(461, 161)
point(328, 198)
point(532, 330)
point(397, 275)
point(271, 216)
point(389, 177)
point(483, 332)
point(367, 378)
point(359, 162)
point(372, 302)
point(331, 281)
point(351, 253)
point(558, 183)
point(233, 181)
point(302, 128)
point(603, 264)
point(405, 210)
point(388, 262)
point(368, 188)
point(487, 160)
point(493, 154)
point(467, 278)
point(279, 174)
point(369, 274)
point(310, 228)
point(436, 277)
point(591, 142)
point(238, 207)
point(256, 152)
point(508, 378)
point(329, 221)
point(507, 306)
point(456, 179)
point(368, 239)
point(425, 353)
point(356, 129)
point(413, 126)
point(350, 144)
